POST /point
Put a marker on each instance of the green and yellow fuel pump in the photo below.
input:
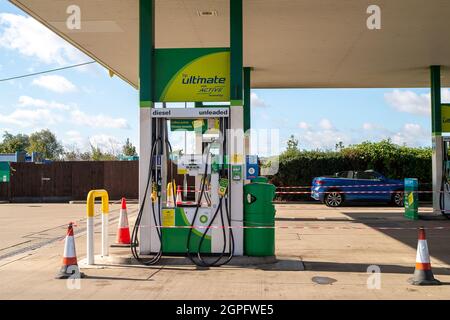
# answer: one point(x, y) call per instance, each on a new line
point(209, 229)
point(202, 225)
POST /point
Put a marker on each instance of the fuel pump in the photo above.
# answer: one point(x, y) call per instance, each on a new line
point(199, 229)
point(445, 184)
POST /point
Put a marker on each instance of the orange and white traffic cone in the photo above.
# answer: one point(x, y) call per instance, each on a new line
point(70, 265)
point(123, 230)
point(423, 276)
point(179, 200)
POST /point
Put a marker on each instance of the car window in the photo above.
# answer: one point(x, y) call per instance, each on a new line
point(345, 174)
point(366, 175)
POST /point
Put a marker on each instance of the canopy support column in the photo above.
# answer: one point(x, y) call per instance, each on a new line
point(236, 151)
point(437, 144)
point(146, 85)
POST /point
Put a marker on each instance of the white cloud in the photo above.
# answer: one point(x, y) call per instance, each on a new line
point(445, 95)
point(409, 101)
point(55, 83)
point(106, 143)
point(413, 135)
point(326, 124)
point(98, 121)
point(75, 137)
point(325, 136)
point(323, 139)
point(30, 118)
point(75, 140)
point(30, 38)
point(369, 126)
point(34, 113)
point(303, 125)
point(256, 101)
point(26, 101)
point(31, 112)
point(410, 134)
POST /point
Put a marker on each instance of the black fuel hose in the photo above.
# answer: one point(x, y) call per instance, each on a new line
point(201, 261)
point(134, 234)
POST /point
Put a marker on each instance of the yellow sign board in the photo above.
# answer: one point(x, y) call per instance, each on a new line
point(192, 74)
point(168, 217)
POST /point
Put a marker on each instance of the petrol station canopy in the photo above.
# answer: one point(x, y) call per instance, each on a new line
point(288, 43)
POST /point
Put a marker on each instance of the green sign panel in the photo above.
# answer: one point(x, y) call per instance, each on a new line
point(194, 75)
point(4, 172)
point(236, 172)
point(223, 186)
point(188, 125)
point(445, 114)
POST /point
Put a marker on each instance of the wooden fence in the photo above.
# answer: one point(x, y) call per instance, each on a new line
point(65, 181)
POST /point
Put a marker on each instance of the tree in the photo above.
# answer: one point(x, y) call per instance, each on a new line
point(14, 143)
point(46, 144)
point(98, 155)
point(292, 143)
point(339, 146)
point(72, 153)
point(128, 149)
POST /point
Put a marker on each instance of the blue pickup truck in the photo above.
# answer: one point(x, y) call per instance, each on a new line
point(353, 186)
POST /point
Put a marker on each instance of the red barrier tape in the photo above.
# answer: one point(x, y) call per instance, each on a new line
point(341, 186)
point(294, 227)
point(357, 192)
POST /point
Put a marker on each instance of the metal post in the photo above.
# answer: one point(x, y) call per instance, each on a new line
point(247, 110)
point(146, 93)
point(105, 235)
point(437, 144)
point(90, 202)
point(90, 240)
point(247, 98)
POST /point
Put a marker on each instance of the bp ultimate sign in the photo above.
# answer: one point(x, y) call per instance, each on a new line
point(194, 75)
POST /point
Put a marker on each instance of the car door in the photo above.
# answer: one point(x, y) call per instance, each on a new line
point(347, 184)
point(368, 186)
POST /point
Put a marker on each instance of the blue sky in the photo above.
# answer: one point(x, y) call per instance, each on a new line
point(84, 105)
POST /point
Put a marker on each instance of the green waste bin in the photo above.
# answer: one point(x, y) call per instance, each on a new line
point(411, 200)
point(259, 213)
point(5, 172)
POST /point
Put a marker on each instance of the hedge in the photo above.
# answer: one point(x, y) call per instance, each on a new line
point(298, 168)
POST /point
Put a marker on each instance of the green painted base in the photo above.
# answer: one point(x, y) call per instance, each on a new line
point(174, 240)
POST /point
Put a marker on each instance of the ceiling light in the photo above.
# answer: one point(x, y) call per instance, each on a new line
point(207, 13)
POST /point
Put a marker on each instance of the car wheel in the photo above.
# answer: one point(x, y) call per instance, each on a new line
point(334, 199)
point(397, 199)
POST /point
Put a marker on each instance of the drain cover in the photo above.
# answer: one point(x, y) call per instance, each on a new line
point(323, 280)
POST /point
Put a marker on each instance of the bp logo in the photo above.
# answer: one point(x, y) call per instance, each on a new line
point(203, 219)
point(251, 198)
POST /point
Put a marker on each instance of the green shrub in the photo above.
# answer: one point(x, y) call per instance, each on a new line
point(298, 168)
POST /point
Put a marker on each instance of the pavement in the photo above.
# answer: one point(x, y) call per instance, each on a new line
point(322, 253)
